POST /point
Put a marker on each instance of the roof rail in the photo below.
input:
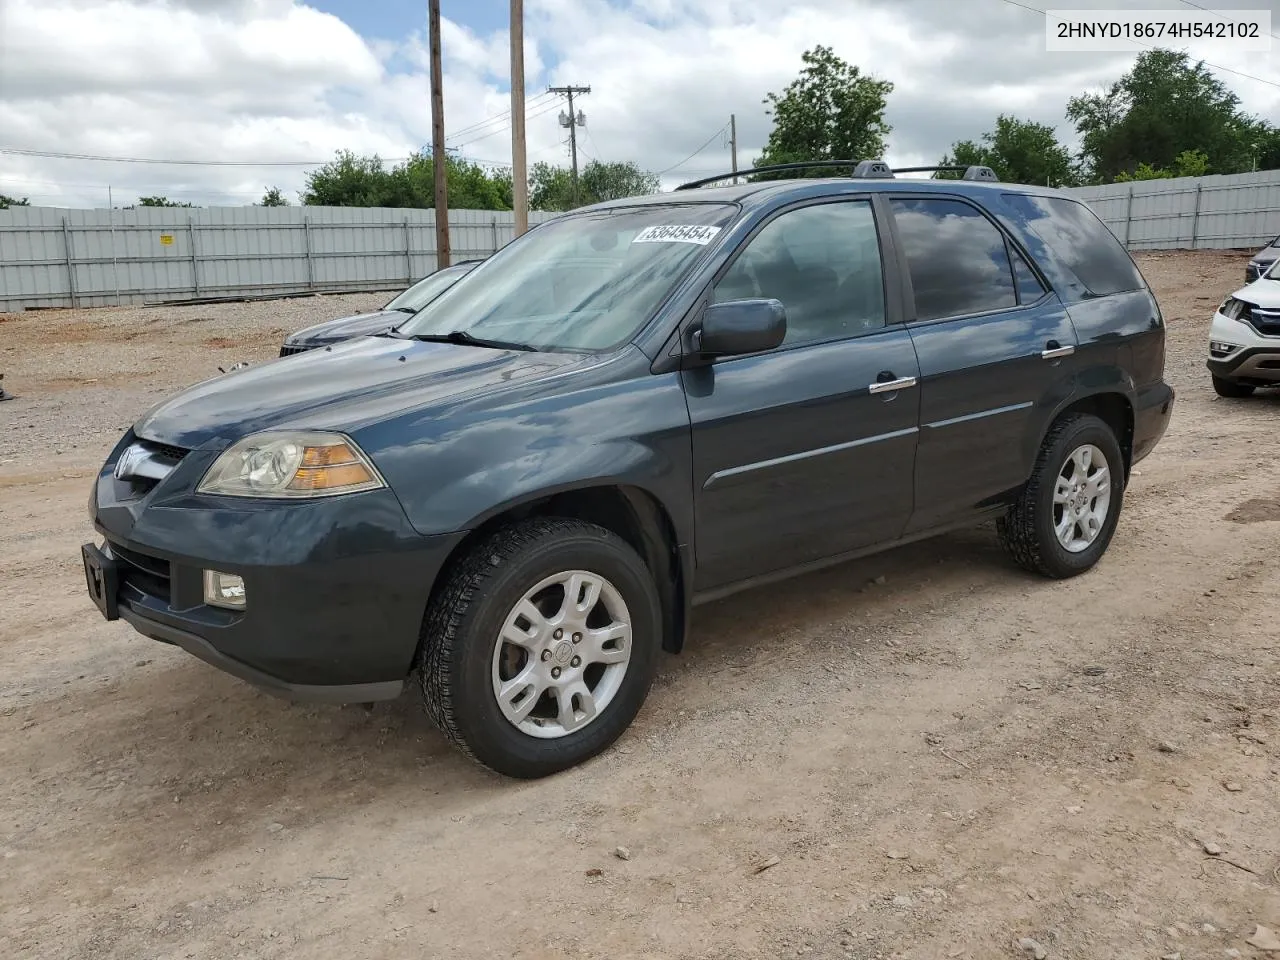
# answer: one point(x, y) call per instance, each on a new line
point(862, 170)
point(971, 172)
point(771, 168)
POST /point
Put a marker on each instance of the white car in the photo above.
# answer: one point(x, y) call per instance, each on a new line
point(1244, 339)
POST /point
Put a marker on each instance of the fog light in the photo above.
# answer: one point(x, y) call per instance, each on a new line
point(1220, 349)
point(223, 590)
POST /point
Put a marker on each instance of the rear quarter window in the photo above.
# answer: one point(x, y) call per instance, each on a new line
point(1080, 242)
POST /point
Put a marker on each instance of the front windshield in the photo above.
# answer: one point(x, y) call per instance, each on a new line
point(426, 290)
point(585, 281)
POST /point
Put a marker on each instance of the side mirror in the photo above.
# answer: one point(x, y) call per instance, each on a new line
point(740, 326)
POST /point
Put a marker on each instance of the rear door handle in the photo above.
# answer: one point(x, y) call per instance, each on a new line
point(891, 386)
point(1053, 351)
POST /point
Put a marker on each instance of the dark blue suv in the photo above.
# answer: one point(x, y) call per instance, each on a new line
point(516, 496)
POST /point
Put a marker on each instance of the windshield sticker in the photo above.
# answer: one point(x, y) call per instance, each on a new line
point(687, 234)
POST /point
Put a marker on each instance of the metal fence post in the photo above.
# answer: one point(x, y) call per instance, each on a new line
point(1128, 216)
point(494, 224)
point(1195, 217)
point(71, 269)
point(408, 254)
point(311, 270)
point(195, 262)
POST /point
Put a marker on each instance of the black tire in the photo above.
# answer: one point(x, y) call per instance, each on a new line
point(1231, 389)
point(464, 621)
point(1027, 531)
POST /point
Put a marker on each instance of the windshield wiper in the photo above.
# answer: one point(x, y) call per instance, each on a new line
point(467, 340)
point(409, 310)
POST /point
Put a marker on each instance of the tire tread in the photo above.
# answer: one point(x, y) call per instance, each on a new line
point(440, 639)
point(1017, 528)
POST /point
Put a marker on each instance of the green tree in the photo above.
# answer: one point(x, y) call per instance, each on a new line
point(551, 187)
point(161, 202)
point(832, 111)
point(1164, 106)
point(349, 181)
point(1019, 151)
point(1261, 141)
point(354, 181)
point(273, 198)
point(6, 202)
point(616, 181)
point(1144, 171)
point(1191, 163)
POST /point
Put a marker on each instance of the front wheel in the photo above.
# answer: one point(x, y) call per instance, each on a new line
point(1063, 521)
point(1231, 389)
point(540, 649)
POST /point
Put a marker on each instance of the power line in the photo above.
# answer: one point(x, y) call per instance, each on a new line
point(56, 155)
point(1215, 66)
point(503, 117)
point(695, 153)
point(593, 146)
point(507, 125)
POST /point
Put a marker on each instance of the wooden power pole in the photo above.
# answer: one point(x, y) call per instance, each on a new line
point(572, 123)
point(438, 161)
point(519, 174)
point(733, 143)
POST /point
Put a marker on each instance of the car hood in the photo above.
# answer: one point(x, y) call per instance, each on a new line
point(343, 387)
point(344, 328)
point(1264, 293)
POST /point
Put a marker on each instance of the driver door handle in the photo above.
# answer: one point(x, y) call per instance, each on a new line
point(1054, 351)
point(891, 386)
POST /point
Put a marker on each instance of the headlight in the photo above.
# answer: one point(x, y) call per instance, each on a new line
point(291, 465)
point(1231, 308)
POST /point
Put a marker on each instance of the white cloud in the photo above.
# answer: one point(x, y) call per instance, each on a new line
point(276, 79)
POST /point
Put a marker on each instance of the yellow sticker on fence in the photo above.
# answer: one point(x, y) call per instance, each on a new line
point(166, 239)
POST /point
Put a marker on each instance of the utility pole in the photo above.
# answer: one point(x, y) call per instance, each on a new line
point(733, 144)
point(439, 165)
point(572, 122)
point(519, 173)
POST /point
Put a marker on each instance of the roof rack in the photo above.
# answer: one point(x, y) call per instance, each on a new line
point(862, 170)
point(971, 172)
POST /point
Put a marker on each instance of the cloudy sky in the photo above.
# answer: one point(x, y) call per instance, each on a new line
point(252, 82)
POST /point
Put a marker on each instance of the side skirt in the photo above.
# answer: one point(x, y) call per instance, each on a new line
point(973, 520)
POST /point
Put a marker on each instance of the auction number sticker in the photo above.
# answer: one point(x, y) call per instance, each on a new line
point(677, 234)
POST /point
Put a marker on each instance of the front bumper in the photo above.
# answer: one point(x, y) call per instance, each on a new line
point(1255, 358)
point(336, 588)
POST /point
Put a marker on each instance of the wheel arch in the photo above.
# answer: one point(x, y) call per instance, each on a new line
point(631, 512)
point(1113, 407)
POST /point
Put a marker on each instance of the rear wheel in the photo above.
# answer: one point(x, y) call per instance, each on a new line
point(540, 649)
point(1231, 389)
point(1063, 521)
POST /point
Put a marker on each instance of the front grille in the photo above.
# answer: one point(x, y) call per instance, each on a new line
point(146, 574)
point(1265, 320)
point(288, 350)
point(165, 450)
point(144, 463)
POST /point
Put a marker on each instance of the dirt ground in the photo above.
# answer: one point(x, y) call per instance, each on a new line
point(951, 762)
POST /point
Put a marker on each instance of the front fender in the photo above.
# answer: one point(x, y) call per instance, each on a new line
point(505, 486)
point(454, 473)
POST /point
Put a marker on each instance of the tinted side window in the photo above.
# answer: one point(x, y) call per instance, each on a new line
point(1030, 289)
point(1080, 241)
point(956, 256)
point(823, 263)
